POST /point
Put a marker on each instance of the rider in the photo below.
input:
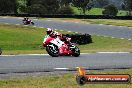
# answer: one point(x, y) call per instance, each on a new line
point(28, 19)
point(24, 19)
point(54, 34)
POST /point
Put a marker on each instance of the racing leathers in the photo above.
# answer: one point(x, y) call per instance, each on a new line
point(60, 36)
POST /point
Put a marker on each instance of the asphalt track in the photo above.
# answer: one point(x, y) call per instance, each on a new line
point(42, 63)
point(94, 29)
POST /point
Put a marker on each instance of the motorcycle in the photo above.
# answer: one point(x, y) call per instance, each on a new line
point(55, 47)
point(28, 22)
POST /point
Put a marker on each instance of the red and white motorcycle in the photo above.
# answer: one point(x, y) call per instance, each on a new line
point(55, 47)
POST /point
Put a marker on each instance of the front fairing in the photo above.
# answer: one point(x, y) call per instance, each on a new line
point(57, 42)
point(47, 40)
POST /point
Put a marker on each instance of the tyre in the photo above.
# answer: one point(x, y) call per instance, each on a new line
point(52, 50)
point(76, 52)
point(32, 23)
point(0, 51)
point(81, 80)
point(24, 23)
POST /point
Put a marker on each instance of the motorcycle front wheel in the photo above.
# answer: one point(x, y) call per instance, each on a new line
point(76, 52)
point(52, 50)
point(32, 23)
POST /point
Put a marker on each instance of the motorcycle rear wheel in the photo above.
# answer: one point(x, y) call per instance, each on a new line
point(52, 50)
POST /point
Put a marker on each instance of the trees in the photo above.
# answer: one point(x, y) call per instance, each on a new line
point(15, 4)
point(43, 6)
point(22, 7)
point(127, 5)
point(37, 9)
point(110, 10)
point(65, 10)
point(52, 6)
point(64, 7)
point(64, 3)
point(102, 3)
point(8, 6)
point(83, 4)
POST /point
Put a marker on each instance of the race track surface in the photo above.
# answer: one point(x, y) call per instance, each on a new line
point(42, 63)
point(103, 30)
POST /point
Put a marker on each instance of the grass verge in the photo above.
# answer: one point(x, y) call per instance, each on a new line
point(60, 81)
point(96, 11)
point(23, 40)
point(127, 23)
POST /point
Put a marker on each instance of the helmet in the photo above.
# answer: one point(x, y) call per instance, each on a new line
point(49, 30)
point(25, 18)
point(57, 33)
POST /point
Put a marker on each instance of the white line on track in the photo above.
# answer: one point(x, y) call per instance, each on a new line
point(86, 53)
point(61, 68)
point(17, 24)
point(81, 53)
point(4, 17)
point(61, 30)
point(113, 52)
point(49, 20)
point(106, 36)
point(101, 24)
point(76, 22)
point(41, 27)
point(130, 27)
point(129, 39)
point(27, 55)
point(122, 38)
point(35, 19)
point(20, 18)
point(6, 23)
point(25, 25)
point(34, 26)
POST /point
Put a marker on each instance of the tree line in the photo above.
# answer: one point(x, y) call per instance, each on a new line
point(60, 6)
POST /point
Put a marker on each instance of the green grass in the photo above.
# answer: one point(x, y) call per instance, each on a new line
point(20, 37)
point(60, 81)
point(96, 11)
point(127, 23)
point(93, 11)
point(107, 44)
point(21, 40)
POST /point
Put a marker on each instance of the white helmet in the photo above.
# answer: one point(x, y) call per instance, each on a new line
point(49, 30)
